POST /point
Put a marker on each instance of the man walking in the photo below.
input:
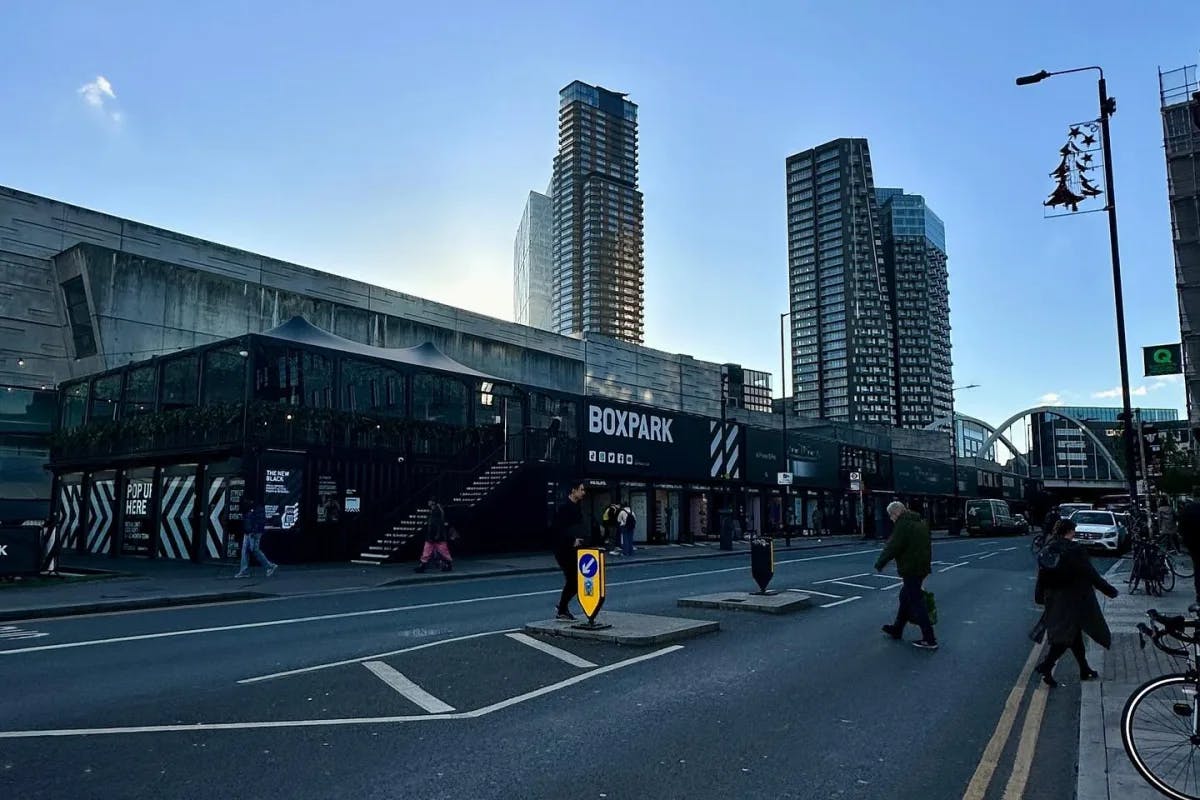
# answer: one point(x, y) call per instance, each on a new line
point(567, 530)
point(912, 549)
point(626, 524)
point(254, 524)
point(435, 538)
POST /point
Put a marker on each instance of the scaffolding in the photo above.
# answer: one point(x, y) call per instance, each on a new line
point(1180, 95)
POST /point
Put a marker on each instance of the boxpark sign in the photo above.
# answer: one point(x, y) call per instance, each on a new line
point(622, 440)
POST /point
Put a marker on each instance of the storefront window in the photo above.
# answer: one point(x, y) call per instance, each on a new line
point(224, 375)
point(74, 407)
point(546, 408)
point(372, 389)
point(179, 382)
point(295, 377)
point(439, 399)
point(139, 392)
point(106, 393)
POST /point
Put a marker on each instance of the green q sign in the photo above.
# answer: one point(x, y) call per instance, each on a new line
point(1163, 359)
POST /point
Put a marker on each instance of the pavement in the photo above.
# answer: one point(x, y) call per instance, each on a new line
point(93, 584)
point(435, 690)
point(1105, 772)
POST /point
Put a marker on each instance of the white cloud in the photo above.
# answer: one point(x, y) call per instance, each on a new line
point(1051, 399)
point(1134, 391)
point(1107, 393)
point(98, 94)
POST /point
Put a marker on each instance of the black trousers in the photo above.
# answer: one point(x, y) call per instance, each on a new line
point(1057, 650)
point(566, 563)
point(912, 608)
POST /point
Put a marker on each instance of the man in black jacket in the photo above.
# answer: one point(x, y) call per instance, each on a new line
point(435, 538)
point(567, 530)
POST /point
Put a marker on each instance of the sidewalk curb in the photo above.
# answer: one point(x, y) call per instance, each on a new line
point(1092, 768)
point(142, 604)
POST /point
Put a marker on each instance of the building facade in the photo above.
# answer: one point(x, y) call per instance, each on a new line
point(1180, 95)
point(1059, 452)
point(597, 247)
point(840, 299)
point(914, 249)
point(533, 264)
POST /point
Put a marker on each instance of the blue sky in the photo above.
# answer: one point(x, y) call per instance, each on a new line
point(396, 142)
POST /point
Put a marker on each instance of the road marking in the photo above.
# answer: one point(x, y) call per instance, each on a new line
point(842, 578)
point(814, 591)
point(977, 788)
point(852, 585)
point(394, 609)
point(318, 723)
point(980, 554)
point(895, 585)
point(1008, 550)
point(843, 602)
point(13, 632)
point(1027, 744)
point(407, 688)
point(374, 657)
point(989, 555)
point(954, 566)
point(551, 650)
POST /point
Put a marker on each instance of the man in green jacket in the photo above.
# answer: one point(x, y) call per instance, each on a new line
point(912, 550)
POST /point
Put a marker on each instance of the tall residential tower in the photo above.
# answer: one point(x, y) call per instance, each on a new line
point(533, 264)
point(841, 306)
point(914, 257)
point(597, 216)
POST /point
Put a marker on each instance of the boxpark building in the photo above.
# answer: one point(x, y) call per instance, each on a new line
point(156, 383)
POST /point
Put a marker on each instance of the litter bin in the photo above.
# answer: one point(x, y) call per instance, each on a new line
point(955, 526)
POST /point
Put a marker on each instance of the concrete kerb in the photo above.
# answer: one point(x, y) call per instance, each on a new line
point(781, 602)
point(635, 630)
point(141, 604)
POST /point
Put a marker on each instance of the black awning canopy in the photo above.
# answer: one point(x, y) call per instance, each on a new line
point(300, 331)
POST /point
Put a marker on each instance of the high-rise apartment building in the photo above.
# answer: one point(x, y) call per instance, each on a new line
point(841, 312)
point(597, 216)
point(533, 264)
point(1180, 95)
point(914, 256)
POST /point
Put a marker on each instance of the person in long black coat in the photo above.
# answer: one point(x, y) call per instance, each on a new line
point(1066, 585)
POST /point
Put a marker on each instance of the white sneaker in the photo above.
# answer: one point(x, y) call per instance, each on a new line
point(242, 574)
point(271, 569)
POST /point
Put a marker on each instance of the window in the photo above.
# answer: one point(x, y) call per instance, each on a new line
point(74, 407)
point(295, 377)
point(225, 375)
point(139, 392)
point(180, 377)
point(106, 392)
point(80, 317)
point(439, 399)
point(372, 388)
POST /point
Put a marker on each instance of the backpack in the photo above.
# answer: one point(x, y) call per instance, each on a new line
point(630, 521)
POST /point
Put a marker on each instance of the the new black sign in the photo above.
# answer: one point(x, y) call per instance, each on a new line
point(282, 489)
point(623, 440)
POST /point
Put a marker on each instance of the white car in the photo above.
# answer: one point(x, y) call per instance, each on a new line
point(1100, 530)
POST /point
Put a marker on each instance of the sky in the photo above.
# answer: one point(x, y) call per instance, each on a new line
point(396, 142)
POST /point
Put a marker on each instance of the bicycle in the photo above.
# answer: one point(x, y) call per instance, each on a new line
point(1152, 568)
point(1160, 724)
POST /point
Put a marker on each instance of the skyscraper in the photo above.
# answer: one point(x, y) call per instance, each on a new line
point(914, 257)
point(597, 211)
point(841, 313)
point(1180, 95)
point(533, 264)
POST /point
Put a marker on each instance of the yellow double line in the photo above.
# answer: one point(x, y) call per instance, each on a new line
point(1026, 745)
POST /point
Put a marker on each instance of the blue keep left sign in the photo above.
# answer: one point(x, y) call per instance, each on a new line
point(589, 566)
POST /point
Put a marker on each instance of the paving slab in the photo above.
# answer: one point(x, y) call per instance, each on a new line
point(639, 630)
point(771, 603)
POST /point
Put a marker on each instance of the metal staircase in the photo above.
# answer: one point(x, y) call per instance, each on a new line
point(411, 528)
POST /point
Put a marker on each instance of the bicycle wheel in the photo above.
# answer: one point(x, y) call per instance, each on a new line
point(1158, 728)
point(1182, 566)
point(1168, 573)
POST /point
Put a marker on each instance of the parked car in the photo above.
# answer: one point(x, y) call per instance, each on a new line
point(992, 517)
point(1067, 509)
point(1101, 530)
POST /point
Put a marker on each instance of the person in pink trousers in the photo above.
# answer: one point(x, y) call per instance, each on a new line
point(435, 539)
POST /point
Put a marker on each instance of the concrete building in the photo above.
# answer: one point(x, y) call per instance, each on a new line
point(533, 264)
point(841, 302)
point(1180, 96)
point(914, 252)
point(598, 217)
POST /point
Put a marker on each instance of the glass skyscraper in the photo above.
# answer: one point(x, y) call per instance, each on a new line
point(597, 217)
point(840, 299)
point(533, 264)
point(914, 255)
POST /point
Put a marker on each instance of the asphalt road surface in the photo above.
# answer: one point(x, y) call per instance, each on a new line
point(421, 692)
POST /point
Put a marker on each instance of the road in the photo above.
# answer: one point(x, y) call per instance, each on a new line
point(420, 692)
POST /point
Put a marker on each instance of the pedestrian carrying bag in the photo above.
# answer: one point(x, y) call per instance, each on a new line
point(931, 606)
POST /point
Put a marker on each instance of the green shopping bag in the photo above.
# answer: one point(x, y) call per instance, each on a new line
point(931, 606)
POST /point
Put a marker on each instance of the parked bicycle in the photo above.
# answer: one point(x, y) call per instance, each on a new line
point(1153, 568)
point(1160, 724)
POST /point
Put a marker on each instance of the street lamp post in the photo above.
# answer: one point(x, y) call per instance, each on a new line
point(786, 510)
point(954, 438)
point(1108, 107)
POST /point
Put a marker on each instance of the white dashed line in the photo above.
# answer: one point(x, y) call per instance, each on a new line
point(953, 566)
point(551, 650)
point(409, 690)
point(842, 602)
point(814, 591)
